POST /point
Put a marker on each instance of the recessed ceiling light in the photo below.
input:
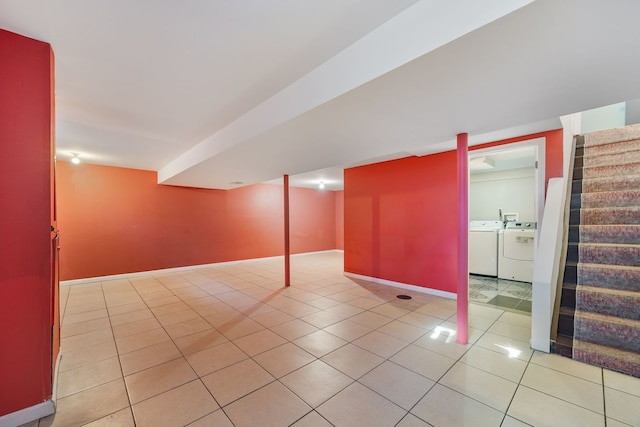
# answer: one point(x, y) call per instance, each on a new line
point(75, 158)
point(321, 185)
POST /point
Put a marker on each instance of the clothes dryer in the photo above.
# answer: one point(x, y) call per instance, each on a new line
point(516, 250)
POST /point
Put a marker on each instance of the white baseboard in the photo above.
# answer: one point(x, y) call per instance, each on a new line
point(179, 269)
point(29, 414)
point(54, 394)
point(34, 412)
point(415, 288)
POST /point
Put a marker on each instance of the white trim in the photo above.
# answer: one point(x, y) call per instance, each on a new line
point(54, 396)
point(26, 415)
point(178, 269)
point(35, 412)
point(415, 288)
point(546, 268)
point(540, 321)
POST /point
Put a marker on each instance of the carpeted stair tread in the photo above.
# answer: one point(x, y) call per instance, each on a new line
point(610, 199)
point(611, 170)
point(609, 253)
point(613, 147)
point(611, 276)
point(616, 359)
point(609, 136)
point(616, 158)
point(607, 330)
point(602, 266)
point(612, 233)
point(611, 302)
point(611, 183)
point(614, 215)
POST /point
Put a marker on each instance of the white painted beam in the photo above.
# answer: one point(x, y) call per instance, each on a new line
point(418, 30)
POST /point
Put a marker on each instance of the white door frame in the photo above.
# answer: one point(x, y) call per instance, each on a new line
point(540, 190)
point(539, 145)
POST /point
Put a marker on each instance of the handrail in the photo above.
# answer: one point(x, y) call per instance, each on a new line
point(565, 240)
point(546, 267)
point(550, 260)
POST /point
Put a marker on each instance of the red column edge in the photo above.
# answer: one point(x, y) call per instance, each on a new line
point(287, 247)
point(463, 239)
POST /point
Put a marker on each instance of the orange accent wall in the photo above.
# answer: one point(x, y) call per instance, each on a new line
point(313, 220)
point(116, 220)
point(339, 219)
point(25, 253)
point(400, 219)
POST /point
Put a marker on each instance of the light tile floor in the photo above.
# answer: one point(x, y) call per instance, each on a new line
point(229, 346)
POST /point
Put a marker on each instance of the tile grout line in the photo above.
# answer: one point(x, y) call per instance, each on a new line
point(230, 341)
point(385, 359)
point(198, 377)
point(604, 398)
point(126, 389)
point(458, 360)
point(119, 355)
point(519, 383)
point(113, 338)
point(319, 359)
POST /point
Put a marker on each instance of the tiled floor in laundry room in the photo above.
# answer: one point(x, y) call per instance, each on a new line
point(500, 293)
point(229, 346)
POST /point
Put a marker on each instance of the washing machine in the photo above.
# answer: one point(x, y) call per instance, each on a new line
point(516, 248)
point(483, 247)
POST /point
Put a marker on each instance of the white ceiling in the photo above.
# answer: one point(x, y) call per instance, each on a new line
point(210, 92)
point(502, 160)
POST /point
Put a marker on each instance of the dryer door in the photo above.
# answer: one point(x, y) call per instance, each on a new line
point(518, 244)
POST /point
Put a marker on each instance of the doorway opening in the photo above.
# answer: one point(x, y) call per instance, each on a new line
point(506, 199)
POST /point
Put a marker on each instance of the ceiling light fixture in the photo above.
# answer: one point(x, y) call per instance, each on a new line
point(321, 185)
point(481, 163)
point(75, 158)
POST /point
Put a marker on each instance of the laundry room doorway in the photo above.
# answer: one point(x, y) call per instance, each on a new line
point(506, 191)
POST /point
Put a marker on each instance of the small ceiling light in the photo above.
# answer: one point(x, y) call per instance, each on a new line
point(75, 159)
point(321, 185)
point(481, 163)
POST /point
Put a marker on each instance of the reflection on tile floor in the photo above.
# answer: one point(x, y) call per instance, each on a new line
point(500, 293)
point(229, 346)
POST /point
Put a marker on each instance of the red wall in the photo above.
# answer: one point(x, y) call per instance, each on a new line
point(25, 251)
point(339, 219)
point(400, 216)
point(400, 220)
point(115, 220)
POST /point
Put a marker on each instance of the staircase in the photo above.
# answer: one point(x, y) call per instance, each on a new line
point(599, 319)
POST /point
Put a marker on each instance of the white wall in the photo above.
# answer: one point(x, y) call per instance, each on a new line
point(632, 113)
point(608, 117)
point(512, 191)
